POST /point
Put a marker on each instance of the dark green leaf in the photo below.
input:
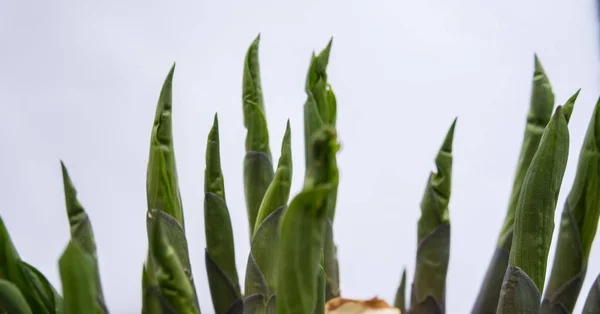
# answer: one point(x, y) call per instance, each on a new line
point(78, 277)
point(519, 294)
point(255, 280)
point(433, 247)
point(173, 281)
point(578, 226)
point(540, 112)
point(48, 294)
point(592, 303)
point(224, 292)
point(255, 304)
point(400, 300)
point(11, 299)
point(11, 269)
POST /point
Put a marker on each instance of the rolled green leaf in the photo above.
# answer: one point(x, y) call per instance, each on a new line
point(258, 166)
point(278, 193)
point(320, 109)
point(150, 292)
point(46, 291)
point(592, 303)
point(540, 112)
point(220, 250)
point(433, 248)
point(172, 279)
point(11, 299)
point(400, 300)
point(162, 185)
point(13, 269)
point(578, 227)
point(78, 279)
point(81, 229)
point(534, 218)
point(321, 283)
point(302, 230)
point(331, 265)
point(161, 180)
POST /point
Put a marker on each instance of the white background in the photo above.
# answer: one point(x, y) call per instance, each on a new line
point(79, 81)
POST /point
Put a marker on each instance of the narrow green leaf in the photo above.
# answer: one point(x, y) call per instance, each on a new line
point(321, 283)
point(302, 230)
point(161, 180)
point(400, 300)
point(11, 299)
point(320, 109)
point(173, 281)
point(81, 228)
point(78, 280)
point(11, 269)
point(150, 291)
point(220, 249)
point(278, 193)
point(258, 167)
point(224, 292)
point(433, 246)
point(331, 266)
point(578, 226)
point(592, 303)
point(540, 112)
point(534, 218)
point(162, 185)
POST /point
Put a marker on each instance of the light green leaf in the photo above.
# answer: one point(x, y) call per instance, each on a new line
point(302, 230)
point(278, 193)
point(258, 167)
point(173, 282)
point(81, 228)
point(78, 280)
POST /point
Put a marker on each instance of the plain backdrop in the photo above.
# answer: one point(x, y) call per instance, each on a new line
point(79, 81)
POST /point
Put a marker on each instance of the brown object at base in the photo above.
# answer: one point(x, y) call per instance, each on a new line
point(349, 306)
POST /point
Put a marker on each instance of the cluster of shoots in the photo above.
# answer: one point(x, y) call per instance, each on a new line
point(292, 266)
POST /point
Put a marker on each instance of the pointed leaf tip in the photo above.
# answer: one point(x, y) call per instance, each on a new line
point(539, 69)
point(447, 145)
point(569, 105)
